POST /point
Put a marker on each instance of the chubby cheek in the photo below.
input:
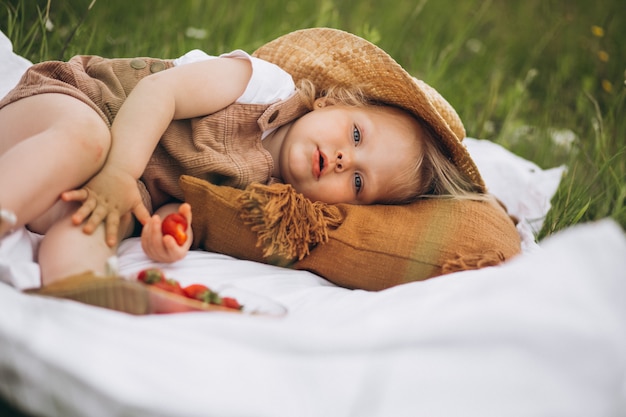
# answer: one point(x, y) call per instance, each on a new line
point(294, 165)
point(331, 192)
point(308, 190)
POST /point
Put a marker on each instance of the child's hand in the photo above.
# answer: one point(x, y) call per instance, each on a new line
point(107, 198)
point(163, 248)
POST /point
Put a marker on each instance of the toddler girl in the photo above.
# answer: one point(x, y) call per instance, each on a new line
point(101, 142)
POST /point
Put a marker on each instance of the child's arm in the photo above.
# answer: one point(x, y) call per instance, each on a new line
point(163, 248)
point(181, 92)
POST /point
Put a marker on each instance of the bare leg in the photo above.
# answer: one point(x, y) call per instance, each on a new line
point(66, 250)
point(49, 143)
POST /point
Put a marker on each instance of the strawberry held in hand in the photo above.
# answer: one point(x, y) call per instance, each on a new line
point(175, 225)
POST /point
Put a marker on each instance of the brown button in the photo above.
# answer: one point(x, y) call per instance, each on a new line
point(138, 63)
point(156, 67)
point(273, 117)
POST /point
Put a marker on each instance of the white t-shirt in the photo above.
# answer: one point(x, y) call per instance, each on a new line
point(268, 83)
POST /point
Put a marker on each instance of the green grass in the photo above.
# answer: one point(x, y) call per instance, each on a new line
point(519, 73)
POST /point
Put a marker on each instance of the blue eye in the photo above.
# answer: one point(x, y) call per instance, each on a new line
point(356, 136)
point(358, 182)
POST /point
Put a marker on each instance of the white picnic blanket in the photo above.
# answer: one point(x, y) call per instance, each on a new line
point(542, 335)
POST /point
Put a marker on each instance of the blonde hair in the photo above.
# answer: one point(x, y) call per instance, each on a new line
point(350, 96)
point(431, 174)
point(443, 177)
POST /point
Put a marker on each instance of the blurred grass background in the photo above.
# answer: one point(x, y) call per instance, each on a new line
point(544, 78)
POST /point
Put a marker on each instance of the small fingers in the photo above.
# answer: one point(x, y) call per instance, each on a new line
point(112, 229)
point(141, 213)
point(98, 214)
point(185, 210)
point(75, 195)
point(84, 211)
point(169, 250)
point(151, 236)
point(172, 249)
point(157, 246)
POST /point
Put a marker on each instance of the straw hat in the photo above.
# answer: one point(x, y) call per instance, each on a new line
point(329, 57)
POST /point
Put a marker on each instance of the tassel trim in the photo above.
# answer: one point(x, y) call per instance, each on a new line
point(475, 261)
point(288, 225)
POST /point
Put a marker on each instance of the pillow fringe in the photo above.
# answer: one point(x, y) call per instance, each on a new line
point(287, 224)
point(474, 261)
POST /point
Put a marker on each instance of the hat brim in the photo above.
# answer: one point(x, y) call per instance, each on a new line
point(331, 57)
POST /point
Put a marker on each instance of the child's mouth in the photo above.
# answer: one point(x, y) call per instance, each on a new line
point(318, 163)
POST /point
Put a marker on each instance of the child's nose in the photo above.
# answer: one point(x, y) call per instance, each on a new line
point(342, 161)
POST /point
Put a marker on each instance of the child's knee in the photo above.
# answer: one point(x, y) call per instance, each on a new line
point(89, 136)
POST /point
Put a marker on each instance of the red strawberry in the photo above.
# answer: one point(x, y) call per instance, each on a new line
point(198, 292)
point(151, 275)
point(175, 225)
point(230, 302)
point(170, 285)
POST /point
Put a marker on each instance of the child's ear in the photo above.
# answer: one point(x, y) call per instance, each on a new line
point(322, 102)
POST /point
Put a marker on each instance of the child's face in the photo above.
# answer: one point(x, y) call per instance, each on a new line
point(346, 154)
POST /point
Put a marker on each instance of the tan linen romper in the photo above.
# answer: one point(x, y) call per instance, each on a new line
point(101, 83)
point(224, 148)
